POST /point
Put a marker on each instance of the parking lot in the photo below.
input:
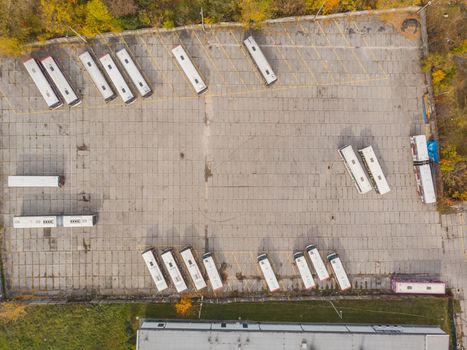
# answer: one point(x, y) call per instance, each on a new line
point(240, 170)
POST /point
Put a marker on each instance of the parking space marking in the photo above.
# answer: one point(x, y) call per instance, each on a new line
point(330, 46)
point(247, 56)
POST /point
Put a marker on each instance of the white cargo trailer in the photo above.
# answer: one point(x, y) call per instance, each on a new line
point(78, 220)
point(36, 181)
point(260, 60)
point(35, 221)
point(419, 148)
point(355, 169)
point(213, 273)
point(62, 84)
point(134, 73)
point(374, 170)
point(193, 268)
point(268, 273)
point(97, 77)
point(174, 272)
point(43, 85)
point(149, 257)
point(117, 79)
point(304, 270)
point(189, 69)
point(418, 286)
point(339, 271)
point(317, 262)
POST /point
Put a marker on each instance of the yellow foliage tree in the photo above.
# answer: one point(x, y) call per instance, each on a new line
point(254, 12)
point(330, 6)
point(57, 16)
point(184, 306)
point(98, 19)
point(10, 47)
point(437, 76)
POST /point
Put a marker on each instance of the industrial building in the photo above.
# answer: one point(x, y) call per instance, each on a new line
point(223, 335)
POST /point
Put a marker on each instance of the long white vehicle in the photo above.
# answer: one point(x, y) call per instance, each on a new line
point(339, 271)
point(62, 84)
point(425, 186)
point(35, 221)
point(43, 85)
point(304, 270)
point(317, 262)
point(134, 73)
point(189, 69)
point(97, 77)
point(419, 148)
point(213, 273)
point(374, 170)
point(174, 272)
point(193, 268)
point(77, 220)
point(36, 181)
point(268, 273)
point(117, 79)
point(149, 257)
point(260, 60)
point(355, 169)
point(418, 286)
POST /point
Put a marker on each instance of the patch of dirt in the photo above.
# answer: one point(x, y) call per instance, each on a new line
point(406, 24)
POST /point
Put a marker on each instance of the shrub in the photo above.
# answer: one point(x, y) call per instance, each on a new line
point(254, 12)
point(184, 306)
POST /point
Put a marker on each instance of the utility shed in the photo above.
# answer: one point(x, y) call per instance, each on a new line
point(213, 335)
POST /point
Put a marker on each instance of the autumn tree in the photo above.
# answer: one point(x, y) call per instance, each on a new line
point(254, 12)
point(184, 306)
point(57, 16)
point(97, 18)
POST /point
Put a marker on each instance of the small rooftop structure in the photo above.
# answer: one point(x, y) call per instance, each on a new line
point(223, 335)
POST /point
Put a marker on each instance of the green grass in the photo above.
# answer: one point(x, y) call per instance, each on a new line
point(113, 326)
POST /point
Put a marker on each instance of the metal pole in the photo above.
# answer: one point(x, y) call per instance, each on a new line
point(425, 6)
point(339, 313)
point(320, 8)
point(202, 17)
point(200, 307)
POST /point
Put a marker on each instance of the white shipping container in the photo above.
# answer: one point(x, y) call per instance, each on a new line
point(97, 77)
point(35, 221)
point(213, 273)
point(355, 169)
point(339, 272)
point(317, 262)
point(149, 257)
point(189, 69)
point(268, 273)
point(173, 270)
point(36, 181)
point(134, 73)
point(62, 84)
point(193, 268)
point(78, 220)
point(260, 60)
point(45, 88)
point(117, 79)
point(304, 270)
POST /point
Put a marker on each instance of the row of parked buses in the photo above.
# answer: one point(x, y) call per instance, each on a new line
point(376, 180)
point(55, 88)
point(48, 220)
point(174, 272)
point(304, 269)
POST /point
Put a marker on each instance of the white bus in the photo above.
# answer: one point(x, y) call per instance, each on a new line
point(117, 79)
point(419, 148)
point(97, 77)
point(61, 83)
point(317, 262)
point(268, 273)
point(78, 220)
point(35, 221)
point(339, 272)
point(189, 69)
point(355, 169)
point(213, 273)
point(36, 181)
point(45, 88)
point(173, 270)
point(134, 73)
point(304, 270)
point(400, 286)
point(193, 268)
point(425, 186)
point(260, 60)
point(374, 170)
point(149, 257)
